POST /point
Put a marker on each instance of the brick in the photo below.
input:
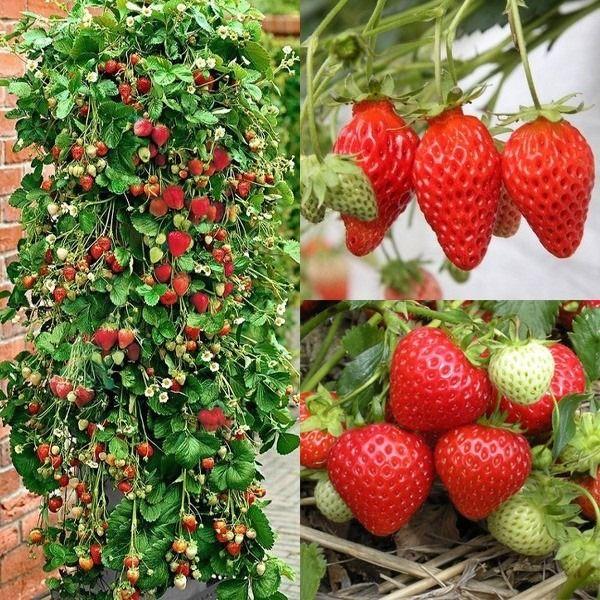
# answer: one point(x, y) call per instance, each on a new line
point(11, 330)
point(12, 157)
point(10, 482)
point(27, 587)
point(11, 9)
point(9, 236)
point(20, 561)
point(11, 65)
point(14, 507)
point(45, 8)
point(29, 522)
point(8, 214)
point(10, 179)
point(5, 452)
point(4, 430)
point(10, 348)
point(10, 537)
point(7, 126)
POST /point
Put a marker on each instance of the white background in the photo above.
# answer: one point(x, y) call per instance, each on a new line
point(518, 267)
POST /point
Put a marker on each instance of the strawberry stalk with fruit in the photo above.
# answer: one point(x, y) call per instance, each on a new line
point(486, 407)
point(151, 279)
point(411, 134)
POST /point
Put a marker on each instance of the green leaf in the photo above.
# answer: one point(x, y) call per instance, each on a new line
point(287, 443)
point(258, 56)
point(120, 290)
point(361, 368)
point(359, 338)
point(188, 450)
point(64, 108)
point(563, 421)
point(238, 471)
point(145, 223)
point(312, 569)
point(264, 533)
point(20, 89)
point(586, 341)
point(151, 294)
point(233, 589)
point(536, 315)
point(119, 448)
point(266, 586)
point(292, 249)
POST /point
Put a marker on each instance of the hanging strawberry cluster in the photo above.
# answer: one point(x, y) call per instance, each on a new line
point(151, 277)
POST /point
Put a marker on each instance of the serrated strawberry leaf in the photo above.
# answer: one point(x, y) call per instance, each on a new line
point(563, 421)
point(536, 316)
point(586, 341)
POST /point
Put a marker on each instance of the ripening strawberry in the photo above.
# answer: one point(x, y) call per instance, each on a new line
point(548, 171)
point(457, 179)
point(384, 146)
point(522, 371)
point(568, 378)
point(481, 467)
point(571, 308)
point(433, 386)
point(382, 473)
point(508, 218)
point(592, 485)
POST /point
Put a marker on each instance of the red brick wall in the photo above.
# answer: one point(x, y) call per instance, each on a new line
point(21, 578)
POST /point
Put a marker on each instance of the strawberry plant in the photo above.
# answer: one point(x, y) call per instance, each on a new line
point(425, 422)
point(411, 131)
point(151, 277)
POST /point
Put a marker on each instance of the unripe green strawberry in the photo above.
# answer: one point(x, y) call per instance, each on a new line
point(519, 524)
point(311, 210)
point(337, 183)
point(330, 503)
point(582, 453)
point(522, 371)
point(534, 520)
point(580, 556)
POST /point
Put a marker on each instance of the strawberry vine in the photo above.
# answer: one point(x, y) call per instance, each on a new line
point(153, 279)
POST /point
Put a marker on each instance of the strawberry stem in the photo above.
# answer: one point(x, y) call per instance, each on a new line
point(514, 19)
point(437, 54)
point(371, 24)
point(451, 36)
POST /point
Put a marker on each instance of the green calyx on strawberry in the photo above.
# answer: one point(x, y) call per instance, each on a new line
point(408, 279)
point(522, 371)
point(582, 452)
point(321, 423)
point(179, 242)
point(535, 519)
point(337, 183)
point(579, 556)
point(330, 503)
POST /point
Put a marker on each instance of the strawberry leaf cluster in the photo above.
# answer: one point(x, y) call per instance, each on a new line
point(152, 279)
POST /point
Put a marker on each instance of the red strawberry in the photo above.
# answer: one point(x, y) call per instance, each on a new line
point(173, 196)
point(568, 378)
point(169, 298)
point(199, 301)
point(571, 308)
point(143, 85)
point(125, 486)
point(315, 444)
point(382, 473)
point(133, 352)
point(221, 159)
point(136, 189)
point(179, 242)
point(55, 503)
point(125, 337)
point(181, 283)
point(592, 485)
point(457, 178)
point(96, 553)
point(43, 451)
point(77, 152)
point(86, 182)
point(482, 467)
point(548, 171)
point(101, 149)
point(433, 386)
point(195, 167)
point(161, 134)
point(191, 333)
point(163, 272)
point(60, 386)
point(143, 128)
point(144, 450)
point(202, 80)
point(105, 337)
point(211, 419)
point(59, 294)
point(125, 92)
point(199, 207)
point(111, 66)
point(83, 396)
point(508, 218)
point(385, 149)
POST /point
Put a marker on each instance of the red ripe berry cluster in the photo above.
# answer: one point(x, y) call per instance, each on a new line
point(466, 188)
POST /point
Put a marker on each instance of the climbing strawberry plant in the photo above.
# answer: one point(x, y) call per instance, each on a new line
point(151, 279)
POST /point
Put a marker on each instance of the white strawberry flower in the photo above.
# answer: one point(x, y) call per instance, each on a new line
point(223, 32)
point(18, 449)
point(149, 391)
point(92, 77)
point(280, 310)
point(191, 89)
point(181, 7)
point(219, 133)
point(279, 321)
point(200, 63)
point(238, 320)
point(206, 355)
point(50, 284)
point(51, 239)
point(167, 383)
point(163, 397)
point(147, 11)
point(214, 367)
point(211, 63)
point(91, 277)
